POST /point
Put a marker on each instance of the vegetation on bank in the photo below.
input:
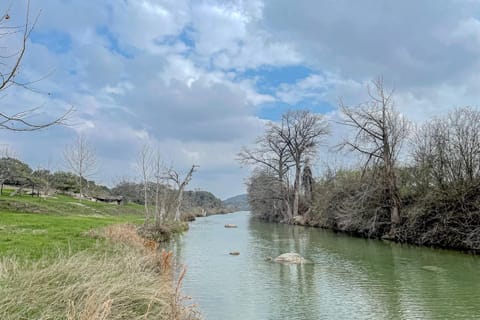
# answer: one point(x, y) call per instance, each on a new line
point(61, 257)
point(194, 203)
point(126, 278)
point(431, 197)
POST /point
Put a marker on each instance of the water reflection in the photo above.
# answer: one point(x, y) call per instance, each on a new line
point(351, 278)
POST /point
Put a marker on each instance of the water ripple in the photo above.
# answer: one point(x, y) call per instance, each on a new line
point(349, 279)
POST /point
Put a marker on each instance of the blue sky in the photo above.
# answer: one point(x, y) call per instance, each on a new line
point(199, 79)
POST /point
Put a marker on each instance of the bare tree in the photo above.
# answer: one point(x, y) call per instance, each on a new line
point(45, 176)
point(81, 159)
point(264, 192)
point(379, 134)
point(286, 145)
point(446, 173)
point(271, 152)
point(160, 189)
point(180, 184)
point(144, 165)
point(10, 64)
point(302, 132)
point(7, 152)
point(447, 151)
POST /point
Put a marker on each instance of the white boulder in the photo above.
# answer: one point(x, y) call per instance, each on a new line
point(291, 257)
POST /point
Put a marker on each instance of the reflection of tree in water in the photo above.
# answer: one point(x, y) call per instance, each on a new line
point(176, 246)
point(435, 284)
point(279, 238)
point(374, 277)
point(296, 295)
point(368, 271)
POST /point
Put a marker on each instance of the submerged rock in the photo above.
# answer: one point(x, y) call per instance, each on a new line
point(299, 220)
point(230, 225)
point(291, 257)
point(433, 268)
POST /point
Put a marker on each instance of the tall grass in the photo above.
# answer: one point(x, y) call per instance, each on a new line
point(129, 279)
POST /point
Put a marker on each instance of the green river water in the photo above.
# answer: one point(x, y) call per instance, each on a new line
point(350, 278)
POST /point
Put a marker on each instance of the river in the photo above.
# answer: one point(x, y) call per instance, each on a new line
point(350, 278)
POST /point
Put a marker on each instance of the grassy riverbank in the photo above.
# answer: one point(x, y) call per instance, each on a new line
point(65, 259)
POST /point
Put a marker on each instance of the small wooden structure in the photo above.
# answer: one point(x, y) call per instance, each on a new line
point(118, 200)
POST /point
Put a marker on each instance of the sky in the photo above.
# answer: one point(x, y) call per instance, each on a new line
point(199, 79)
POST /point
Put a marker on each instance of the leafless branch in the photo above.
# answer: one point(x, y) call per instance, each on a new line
point(379, 132)
point(10, 65)
point(81, 159)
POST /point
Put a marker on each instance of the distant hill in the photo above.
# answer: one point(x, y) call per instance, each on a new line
point(237, 203)
point(195, 201)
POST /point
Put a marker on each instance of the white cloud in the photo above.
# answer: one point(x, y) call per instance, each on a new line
point(466, 33)
point(229, 36)
point(141, 23)
point(170, 72)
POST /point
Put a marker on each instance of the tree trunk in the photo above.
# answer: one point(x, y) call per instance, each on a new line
point(162, 211)
point(393, 199)
point(275, 208)
point(157, 201)
point(179, 203)
point(395, 216)
point(145, 195)
point(395, 208)
point(162, 206)
point(289, 210)
point(296, 190)
point(80, 187)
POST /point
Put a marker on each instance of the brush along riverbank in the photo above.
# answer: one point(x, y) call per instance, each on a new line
point(80, 265)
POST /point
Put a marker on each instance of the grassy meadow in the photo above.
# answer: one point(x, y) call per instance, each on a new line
point(32, 227)
point(61, 258)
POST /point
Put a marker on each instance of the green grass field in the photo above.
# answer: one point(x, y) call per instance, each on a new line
point(33, 227)
point(53, 267)
point(32, 235)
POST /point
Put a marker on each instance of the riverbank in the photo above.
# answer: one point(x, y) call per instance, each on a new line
point(192, 214)
point(419, 229)
point(349, 201)
point(83, 263)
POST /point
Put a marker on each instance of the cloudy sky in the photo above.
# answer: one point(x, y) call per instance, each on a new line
point(199, 78)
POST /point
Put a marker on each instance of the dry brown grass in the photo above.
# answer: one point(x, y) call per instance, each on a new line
point(131, 279)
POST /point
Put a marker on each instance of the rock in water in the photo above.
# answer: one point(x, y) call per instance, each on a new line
point(230, 225)
point(291, 257)
point(433, 268)
point(234, 253)
point(300, 220)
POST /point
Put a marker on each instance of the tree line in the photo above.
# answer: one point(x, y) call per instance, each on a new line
point(14, 172)
point(162, 192)
point(415, 184)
